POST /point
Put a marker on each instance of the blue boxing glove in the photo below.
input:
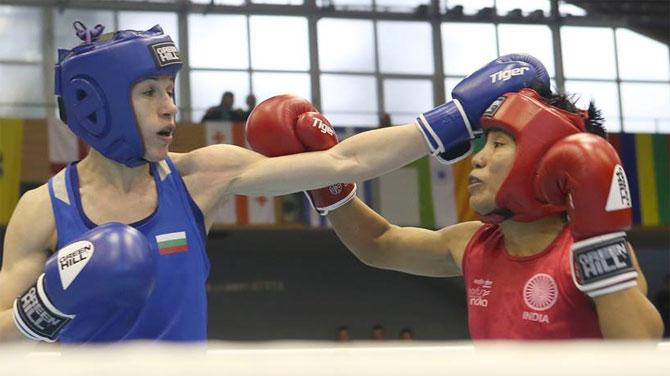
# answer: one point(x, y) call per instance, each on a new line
point(111, 265)
point(450, 127)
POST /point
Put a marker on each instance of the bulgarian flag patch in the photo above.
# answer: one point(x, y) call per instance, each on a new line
point(172, 243)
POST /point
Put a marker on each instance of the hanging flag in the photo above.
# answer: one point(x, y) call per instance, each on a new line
point(426, 193)
point(64, 146)
point(241, 210)
point(11, 142)
point(645, 160)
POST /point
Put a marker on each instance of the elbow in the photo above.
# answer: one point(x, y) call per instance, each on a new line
point(370, 258)
point(657, 328)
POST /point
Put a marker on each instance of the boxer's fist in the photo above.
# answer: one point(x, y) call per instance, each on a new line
point(286, 124)
point(271, 126)
point(316, 133)
point(111, 265)
point(450, 128)
point(583, 172)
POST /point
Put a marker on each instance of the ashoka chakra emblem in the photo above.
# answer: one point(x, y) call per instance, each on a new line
point(540, 292)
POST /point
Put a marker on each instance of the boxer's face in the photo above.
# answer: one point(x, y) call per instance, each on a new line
point(153, 102)
point(489, 169)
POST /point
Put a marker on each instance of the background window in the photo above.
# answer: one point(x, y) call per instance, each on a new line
point(645, 107)
point(20, 34)
point(146, 20)
point(65, 34)
point(279, 43)
point(449, 85)
point(641, 58)
point(530, 39)
point(266, 85)
point(405, 47)
point(207, 87)
point(404, 99)
point(346, 45)
point(217, 41)
point(349, 100)
point(22, 95)
point(588, 52)
point(457, 40)
point(604, 94)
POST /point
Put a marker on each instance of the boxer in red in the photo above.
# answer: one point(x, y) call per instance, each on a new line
point(549, 258)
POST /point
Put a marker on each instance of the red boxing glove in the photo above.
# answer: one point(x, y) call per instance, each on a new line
point(583, 172)
point(286, 124)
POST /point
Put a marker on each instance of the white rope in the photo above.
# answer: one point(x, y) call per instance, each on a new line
point(358, 358)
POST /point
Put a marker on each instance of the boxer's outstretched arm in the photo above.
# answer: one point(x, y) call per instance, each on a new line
point(380, 244)
point(358, 158)
point(25, 250)
point(233, 170)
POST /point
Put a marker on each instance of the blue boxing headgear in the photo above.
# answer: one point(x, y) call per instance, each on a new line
point(93, 83)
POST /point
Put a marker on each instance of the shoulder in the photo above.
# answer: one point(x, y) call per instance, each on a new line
point(457, 237)
point(32, 224)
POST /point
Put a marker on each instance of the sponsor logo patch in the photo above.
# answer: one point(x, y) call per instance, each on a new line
point(619, 195)
point(493, 108)
point(323, 127)
point(506, 74)
point(478, 295)
point(165, 53)
point(335, 189)
point(72, 259)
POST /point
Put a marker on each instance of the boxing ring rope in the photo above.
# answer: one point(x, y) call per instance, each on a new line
point(357, 358)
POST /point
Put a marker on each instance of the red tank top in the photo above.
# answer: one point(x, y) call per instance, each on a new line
point(530, 297)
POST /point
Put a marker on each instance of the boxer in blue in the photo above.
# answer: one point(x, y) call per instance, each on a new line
point(113, 246)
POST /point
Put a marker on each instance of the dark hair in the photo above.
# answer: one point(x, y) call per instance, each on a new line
point(566, 102)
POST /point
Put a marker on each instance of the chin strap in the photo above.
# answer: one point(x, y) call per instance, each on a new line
point(497, 215)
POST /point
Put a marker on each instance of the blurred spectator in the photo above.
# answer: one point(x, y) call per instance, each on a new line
point(251, 103)
point(406, 334)
point(224, 111)
point(662, 303)
point(384, 120)
point(377, 333)
point(343, 334)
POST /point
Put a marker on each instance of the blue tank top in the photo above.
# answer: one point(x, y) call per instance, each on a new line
point(176, 310)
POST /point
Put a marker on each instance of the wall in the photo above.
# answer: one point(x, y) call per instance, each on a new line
point(268, 284)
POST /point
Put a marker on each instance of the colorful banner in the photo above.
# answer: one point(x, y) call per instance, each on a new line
point(645, 160)
point(11, 142)
point(241, 210)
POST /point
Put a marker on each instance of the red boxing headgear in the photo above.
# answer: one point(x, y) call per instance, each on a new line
point(535, 126)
